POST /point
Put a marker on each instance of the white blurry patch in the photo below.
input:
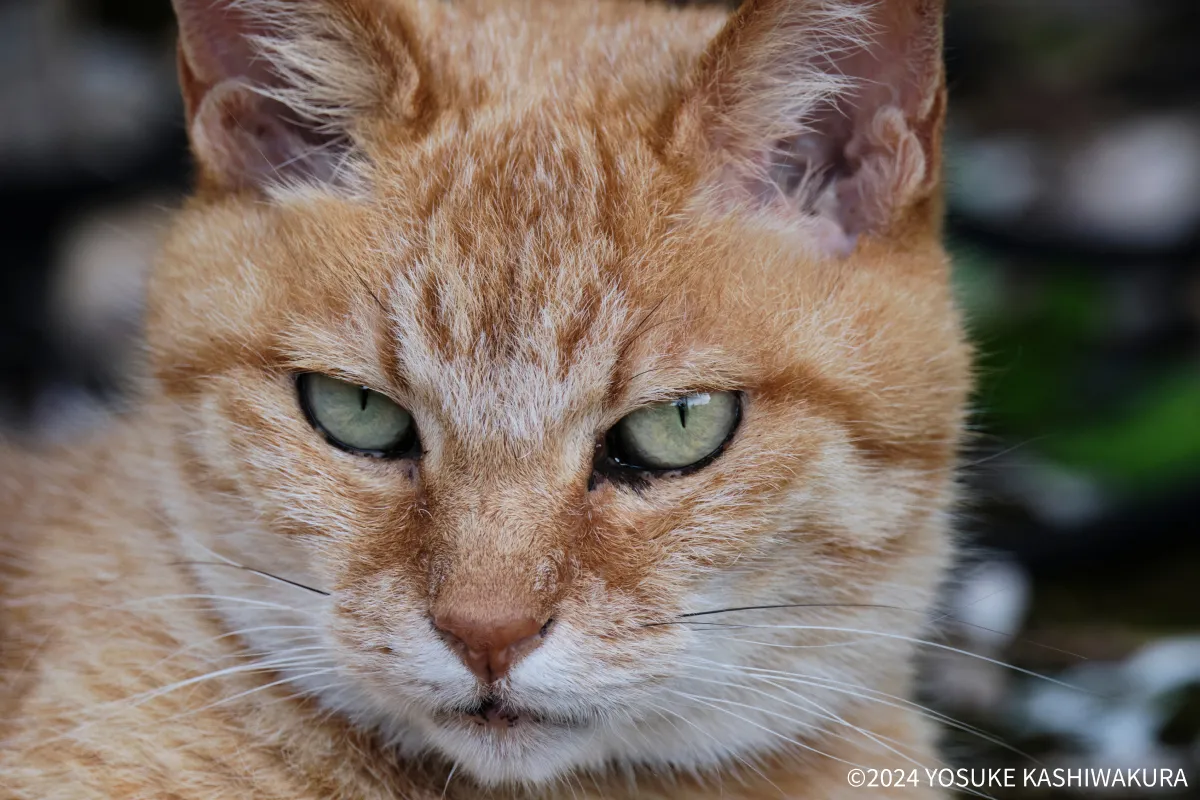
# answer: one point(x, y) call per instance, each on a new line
point(1115, 711)
point(1138, 182)
point(992, 601)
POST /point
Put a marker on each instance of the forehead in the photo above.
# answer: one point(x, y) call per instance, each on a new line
point(510, 361)
point(510, 268)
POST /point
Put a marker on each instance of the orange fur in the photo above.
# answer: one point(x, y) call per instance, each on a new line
point(542, 216)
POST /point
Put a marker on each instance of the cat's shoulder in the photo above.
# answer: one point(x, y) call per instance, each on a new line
point(71, 515)
point(42, 482)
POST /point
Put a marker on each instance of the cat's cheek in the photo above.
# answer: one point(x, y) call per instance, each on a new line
point(260, 470)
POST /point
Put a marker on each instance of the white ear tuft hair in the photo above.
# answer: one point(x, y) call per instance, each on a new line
point(278, 91)
point(828, 112)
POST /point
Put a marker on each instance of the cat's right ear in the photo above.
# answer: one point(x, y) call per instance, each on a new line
point(282, 92)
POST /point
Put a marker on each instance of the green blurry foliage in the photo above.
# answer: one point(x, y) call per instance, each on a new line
point(1042, 338)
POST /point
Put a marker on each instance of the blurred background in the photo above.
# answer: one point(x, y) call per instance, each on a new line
point(1074, 189)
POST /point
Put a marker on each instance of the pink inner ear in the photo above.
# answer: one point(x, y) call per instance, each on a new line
point(879, 148)
point(863, 180)
point(248, 140)
point(244, 138)
point(216, 36)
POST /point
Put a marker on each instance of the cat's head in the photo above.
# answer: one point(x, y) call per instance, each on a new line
point(517, 333)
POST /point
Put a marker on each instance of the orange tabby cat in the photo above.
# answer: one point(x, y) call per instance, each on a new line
point(506, 351)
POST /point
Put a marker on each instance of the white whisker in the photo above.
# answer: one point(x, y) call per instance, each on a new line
point(821, 712)
point(866, 693)
point(710, 701)
point(902, 638)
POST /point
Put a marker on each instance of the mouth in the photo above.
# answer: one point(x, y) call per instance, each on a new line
point(492, 714)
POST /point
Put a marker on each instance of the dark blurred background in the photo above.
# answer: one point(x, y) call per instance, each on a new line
point(1074, 188)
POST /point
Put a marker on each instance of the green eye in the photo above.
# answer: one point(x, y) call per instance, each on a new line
point(675, 435)
point(355, 418)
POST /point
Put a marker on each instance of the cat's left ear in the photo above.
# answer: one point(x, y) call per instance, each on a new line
point(825, 114)
point(280, 92)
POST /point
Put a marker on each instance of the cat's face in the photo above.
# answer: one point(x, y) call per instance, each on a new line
point(505, 587)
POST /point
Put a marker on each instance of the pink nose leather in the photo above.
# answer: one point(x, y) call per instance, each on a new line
point(490, 648)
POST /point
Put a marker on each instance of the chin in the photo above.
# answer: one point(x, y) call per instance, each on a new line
point(494, 742)
point(507, 746)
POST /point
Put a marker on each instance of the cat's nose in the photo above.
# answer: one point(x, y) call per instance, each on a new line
point(491, 647)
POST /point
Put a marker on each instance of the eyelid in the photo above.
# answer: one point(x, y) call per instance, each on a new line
point(664, 398)
point(372, 383)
